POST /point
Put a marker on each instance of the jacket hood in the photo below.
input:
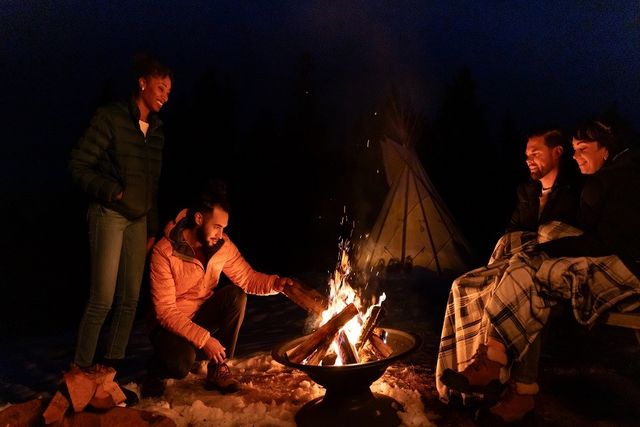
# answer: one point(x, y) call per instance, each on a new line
point(173, 232)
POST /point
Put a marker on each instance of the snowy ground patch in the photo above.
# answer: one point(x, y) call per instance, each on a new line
point(271, 396)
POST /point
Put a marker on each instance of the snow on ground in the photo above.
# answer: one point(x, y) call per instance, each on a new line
point(271, 396)
point(578, 368)
point(32, 367)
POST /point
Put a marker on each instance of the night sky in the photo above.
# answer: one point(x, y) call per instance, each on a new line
point(240, 69)
point(563, 60)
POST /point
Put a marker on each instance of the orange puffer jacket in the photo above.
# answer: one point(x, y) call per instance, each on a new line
point(180, 284)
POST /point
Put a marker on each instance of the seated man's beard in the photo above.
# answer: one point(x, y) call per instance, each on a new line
point(537, 174)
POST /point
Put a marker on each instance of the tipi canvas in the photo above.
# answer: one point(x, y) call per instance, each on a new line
point(414, 227)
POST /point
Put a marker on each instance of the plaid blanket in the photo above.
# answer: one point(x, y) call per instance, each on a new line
point(465, 324)
point(516, 290)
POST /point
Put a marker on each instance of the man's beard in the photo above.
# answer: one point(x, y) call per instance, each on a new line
point(537, 173)
point(208, 247)
point(202, 239)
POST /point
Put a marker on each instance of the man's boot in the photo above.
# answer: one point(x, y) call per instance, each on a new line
point(481, 376)
point(219, 377)
point(516, 402)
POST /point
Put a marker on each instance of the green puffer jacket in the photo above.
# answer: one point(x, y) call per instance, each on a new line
point(114, 156)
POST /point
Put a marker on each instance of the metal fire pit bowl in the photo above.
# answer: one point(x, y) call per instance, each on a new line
point(348, 399)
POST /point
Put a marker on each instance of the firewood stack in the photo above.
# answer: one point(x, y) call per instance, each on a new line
point(95, 388)
point(316, 349)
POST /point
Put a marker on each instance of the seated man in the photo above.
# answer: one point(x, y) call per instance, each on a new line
point(551, 194)
point(189, 306)
point(596, 268)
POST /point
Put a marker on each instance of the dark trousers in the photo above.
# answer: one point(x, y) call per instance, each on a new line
point(222, 315)
point(117, 248)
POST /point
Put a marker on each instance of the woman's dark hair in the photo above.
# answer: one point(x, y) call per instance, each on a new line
point(213, 193)
point(605, 132)
point(145, 65)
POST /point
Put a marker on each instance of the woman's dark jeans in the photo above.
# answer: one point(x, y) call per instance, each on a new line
point(118, 251)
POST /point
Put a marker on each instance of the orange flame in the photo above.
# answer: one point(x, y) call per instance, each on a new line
point(342, 294)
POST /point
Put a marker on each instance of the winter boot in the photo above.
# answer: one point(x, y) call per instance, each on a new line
point(219, 377)
point(516, 402)
point(481, 376)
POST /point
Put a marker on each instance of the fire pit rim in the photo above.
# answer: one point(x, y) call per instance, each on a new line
point(278, 355)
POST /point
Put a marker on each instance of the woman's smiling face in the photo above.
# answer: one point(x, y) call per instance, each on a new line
point(589, 155)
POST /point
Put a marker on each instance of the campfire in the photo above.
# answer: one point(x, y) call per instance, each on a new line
point(345, 354)
point(348, 331)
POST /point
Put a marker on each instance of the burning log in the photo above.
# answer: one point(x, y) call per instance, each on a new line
point(324, 333)
point(319, 355)
point(381, 348)
point(330, 359)
point(307, 298)
point(376, 314)
point(377, 348)
point(368, 353)
point(346, 350)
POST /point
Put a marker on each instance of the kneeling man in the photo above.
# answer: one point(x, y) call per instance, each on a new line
point(189, 306)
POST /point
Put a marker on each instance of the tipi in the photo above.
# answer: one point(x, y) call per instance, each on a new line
point(414, 227)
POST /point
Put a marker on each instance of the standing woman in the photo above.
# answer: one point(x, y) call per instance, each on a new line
point(117, 163)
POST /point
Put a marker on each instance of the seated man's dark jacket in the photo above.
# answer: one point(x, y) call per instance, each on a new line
point(562, 204)
point(609, 214)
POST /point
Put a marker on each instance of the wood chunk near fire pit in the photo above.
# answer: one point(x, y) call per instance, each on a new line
point(95, 387)
point(56, 409)
point(324, 333)
point(307, 298)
